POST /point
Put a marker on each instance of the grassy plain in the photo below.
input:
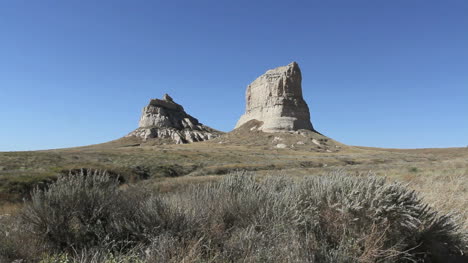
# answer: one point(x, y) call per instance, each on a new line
point(440, 175)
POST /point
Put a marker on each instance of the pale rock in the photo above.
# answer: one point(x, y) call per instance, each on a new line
point(314, 141)
point(275, 98)
point(281, 146)
point(165, 119)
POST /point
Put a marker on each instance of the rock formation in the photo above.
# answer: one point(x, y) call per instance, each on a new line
point(165, 119)
point(275, 98)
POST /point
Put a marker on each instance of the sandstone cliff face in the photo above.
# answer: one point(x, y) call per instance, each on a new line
point(165, 119)
point(275, 98)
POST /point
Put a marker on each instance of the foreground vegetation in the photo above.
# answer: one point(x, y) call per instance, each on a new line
point(20, 172)
point(87, 217)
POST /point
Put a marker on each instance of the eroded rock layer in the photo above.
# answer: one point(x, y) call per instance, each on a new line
point(167, 120)
point(275, 98)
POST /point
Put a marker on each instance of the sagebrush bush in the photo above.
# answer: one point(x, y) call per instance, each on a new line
point(16, 241)
point(333, 218)
point(75, 210)
point(88, 209)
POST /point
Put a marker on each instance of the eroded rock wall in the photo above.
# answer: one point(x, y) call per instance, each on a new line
point(275, 98)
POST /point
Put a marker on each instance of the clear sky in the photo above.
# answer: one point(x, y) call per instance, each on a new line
point(386, 73)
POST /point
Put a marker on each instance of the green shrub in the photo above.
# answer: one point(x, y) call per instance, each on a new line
point(14, 188)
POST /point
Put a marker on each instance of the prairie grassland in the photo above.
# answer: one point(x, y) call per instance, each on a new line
point(441, 175)
point(446, 189)
point(87, 217)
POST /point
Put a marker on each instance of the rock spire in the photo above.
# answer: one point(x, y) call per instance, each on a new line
point(275, 98)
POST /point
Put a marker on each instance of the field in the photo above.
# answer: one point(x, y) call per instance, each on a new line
point(433, 172)
point(440, 176)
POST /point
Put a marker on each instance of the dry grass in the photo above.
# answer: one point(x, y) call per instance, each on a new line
point(446, 193)
point(337, 217)
point(424, 168)
point(10, 208)
point(439, 175)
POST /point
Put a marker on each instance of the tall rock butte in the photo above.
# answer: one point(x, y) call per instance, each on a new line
point(275, 98)
point(165, 119)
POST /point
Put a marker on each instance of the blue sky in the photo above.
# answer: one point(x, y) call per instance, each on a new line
point(375, 73)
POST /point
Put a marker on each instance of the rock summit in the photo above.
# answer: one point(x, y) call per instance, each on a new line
point(165, 119)
point(275, 98)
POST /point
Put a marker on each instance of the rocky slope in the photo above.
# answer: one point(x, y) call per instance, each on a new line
point(167, 121)
point(250, 134)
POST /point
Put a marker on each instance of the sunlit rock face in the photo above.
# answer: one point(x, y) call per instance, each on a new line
point(165, 119)
point(275, 98)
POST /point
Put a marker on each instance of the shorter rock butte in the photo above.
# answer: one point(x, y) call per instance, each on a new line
point(165, 119)
point(275, 98)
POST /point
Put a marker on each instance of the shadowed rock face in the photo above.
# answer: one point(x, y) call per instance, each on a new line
point(275, 98)
point(165, 119)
